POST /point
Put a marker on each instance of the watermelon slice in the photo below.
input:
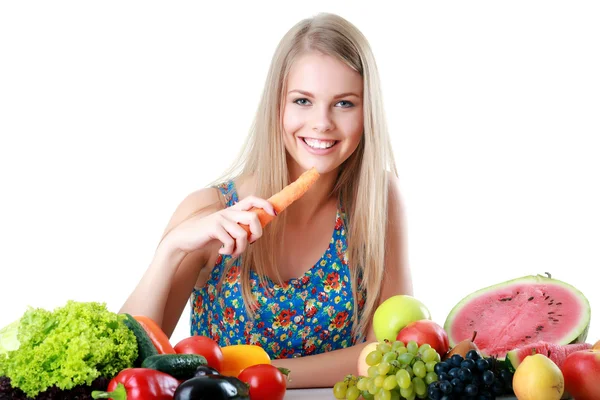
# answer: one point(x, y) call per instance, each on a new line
point(557, 353)
point(519, 312)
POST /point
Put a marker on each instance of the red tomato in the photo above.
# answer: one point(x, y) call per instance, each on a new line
point(266, 382)
point(203, 346)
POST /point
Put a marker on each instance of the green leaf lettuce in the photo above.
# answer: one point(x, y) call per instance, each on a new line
point(70, 346)
point(8, 337)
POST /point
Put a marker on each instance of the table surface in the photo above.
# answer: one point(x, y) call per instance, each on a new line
point(327, 394)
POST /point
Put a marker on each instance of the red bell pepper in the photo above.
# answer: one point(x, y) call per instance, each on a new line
point(139, 384)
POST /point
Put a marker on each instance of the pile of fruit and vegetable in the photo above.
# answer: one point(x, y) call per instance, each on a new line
point(83, 351)
point(524, 338)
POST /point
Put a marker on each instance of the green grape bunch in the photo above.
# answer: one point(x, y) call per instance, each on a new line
point(396, 371)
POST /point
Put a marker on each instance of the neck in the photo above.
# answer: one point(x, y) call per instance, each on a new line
point(315, 199)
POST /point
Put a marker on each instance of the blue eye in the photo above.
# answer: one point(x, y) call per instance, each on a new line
point(302, 102)
point(348, 104)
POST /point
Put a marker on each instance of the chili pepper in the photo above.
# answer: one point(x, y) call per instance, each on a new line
point(157, 336)
point(237, 357)
point(139, 384)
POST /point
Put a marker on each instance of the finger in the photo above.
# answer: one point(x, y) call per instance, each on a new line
point(239, 234)
point(228, 242)
point(252, 201)
point(249, 219)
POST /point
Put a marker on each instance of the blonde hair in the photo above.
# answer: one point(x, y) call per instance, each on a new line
point(362, 184)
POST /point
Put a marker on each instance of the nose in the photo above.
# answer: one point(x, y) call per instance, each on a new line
point(322, 120)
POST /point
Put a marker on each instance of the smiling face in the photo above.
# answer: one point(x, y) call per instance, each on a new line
point(323, 113)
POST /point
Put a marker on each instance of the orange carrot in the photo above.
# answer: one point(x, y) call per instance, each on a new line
point(157, 336)
point(285, 197)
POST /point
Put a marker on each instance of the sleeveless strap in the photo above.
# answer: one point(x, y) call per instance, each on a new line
point(229, 192)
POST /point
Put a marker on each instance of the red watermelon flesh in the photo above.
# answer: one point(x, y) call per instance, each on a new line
point(556, 352)
point(519, 312)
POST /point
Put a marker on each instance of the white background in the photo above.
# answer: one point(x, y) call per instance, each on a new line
point(112, 112)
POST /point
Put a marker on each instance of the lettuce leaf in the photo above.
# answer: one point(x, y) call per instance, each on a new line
point(8, 337)
point(72, 345)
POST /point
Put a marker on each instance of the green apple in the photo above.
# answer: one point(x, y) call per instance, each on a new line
point(395, 313)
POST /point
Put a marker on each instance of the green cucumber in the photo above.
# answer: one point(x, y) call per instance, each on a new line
point(145, 346)
point(180, 366)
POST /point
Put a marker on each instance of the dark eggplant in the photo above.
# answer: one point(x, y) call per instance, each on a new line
point(205, 370)
point(212, 387)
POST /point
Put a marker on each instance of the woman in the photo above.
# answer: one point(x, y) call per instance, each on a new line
point(307, 286)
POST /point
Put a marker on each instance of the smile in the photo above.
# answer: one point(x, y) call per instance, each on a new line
point(319, 144)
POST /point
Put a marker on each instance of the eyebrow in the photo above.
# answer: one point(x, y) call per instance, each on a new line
point(309, 94)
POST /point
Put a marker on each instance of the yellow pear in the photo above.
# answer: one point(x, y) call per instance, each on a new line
point(538, 378)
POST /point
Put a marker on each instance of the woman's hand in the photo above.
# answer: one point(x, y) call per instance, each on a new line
point(197, 232)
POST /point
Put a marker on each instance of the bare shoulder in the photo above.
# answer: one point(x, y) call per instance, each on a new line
point(395, 201)
point(199, 202)
point(395, 217)
point(397, 269)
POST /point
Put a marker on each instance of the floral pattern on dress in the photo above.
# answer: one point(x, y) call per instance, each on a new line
point(307, 315)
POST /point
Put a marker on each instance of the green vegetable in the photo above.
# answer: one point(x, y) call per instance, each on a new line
point(145, 346)
point(180, 366)
point(70, 346)
point(8, 337)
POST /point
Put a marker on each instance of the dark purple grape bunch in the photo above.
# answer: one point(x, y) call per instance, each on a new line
point(472, 377)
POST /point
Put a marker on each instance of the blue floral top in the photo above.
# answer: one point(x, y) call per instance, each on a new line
point(307, 315)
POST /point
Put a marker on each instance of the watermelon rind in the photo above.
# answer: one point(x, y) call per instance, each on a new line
point(513, 359)
point(508, 363)
point(578, 334)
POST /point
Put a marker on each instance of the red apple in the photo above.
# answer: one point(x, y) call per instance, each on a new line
point(425, 331)
point(581, 370)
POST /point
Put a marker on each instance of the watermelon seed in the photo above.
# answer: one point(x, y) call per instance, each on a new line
point(528, 337)
point(529, 299)
point(547, 297)
point(559, 303)
point(506, 299)
point(539, 328)
point(551, 312)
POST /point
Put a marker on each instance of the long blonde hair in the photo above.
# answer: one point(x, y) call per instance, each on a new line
point(362, 184)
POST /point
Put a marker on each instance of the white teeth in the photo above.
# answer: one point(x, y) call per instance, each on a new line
point(319, 144)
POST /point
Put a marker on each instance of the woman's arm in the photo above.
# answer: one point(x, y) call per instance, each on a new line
point(198, 227)
point(162, 292)
point(324, 370)
point(321, 370)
